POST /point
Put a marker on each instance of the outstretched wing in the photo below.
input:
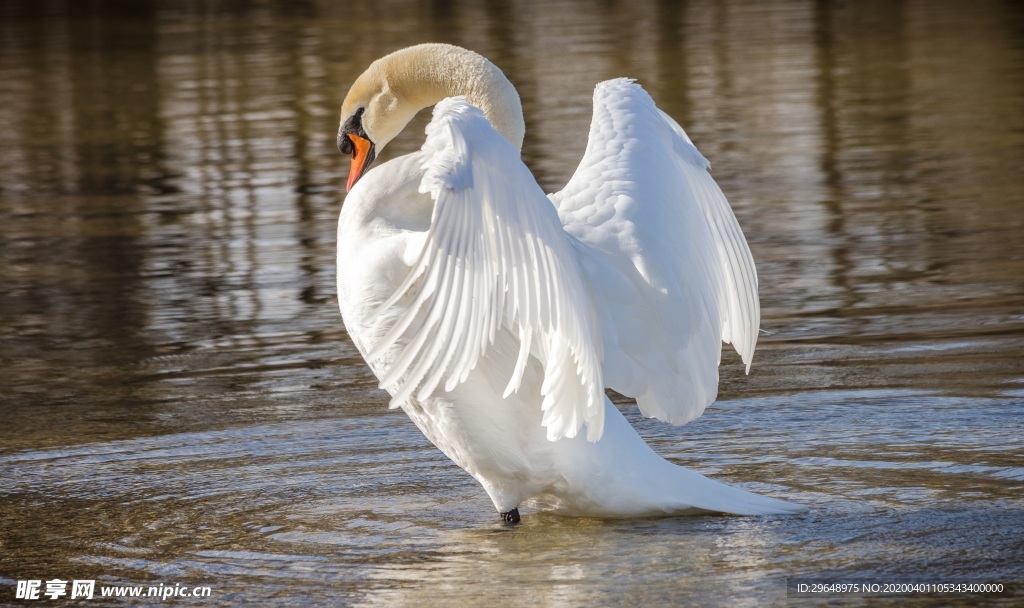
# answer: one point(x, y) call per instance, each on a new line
point(495, 258)
point(670, 272)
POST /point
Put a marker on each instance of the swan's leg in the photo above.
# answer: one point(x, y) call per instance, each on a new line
point(511, 517)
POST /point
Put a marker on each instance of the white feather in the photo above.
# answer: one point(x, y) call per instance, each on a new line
point(642, 193)
point(493, 245)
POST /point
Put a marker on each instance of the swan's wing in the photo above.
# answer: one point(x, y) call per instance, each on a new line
point(495, 256)
point(670, 272)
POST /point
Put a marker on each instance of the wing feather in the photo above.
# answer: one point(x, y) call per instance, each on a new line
point(670, 272)
point(495, 256)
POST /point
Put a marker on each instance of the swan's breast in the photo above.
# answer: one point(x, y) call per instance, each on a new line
point(383, 222)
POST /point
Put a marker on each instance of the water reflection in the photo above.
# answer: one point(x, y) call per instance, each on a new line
point(181, 402)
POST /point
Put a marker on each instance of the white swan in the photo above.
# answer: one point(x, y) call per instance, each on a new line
point(495, 316)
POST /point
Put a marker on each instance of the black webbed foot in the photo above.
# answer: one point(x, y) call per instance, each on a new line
point(510, 518)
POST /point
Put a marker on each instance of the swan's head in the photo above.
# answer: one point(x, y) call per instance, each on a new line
point(371, 116)
point(384, 99)
point(394, 88)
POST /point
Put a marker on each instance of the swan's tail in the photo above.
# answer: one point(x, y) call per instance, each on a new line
point(658, 490)
point(695, 491)
point(621, 476)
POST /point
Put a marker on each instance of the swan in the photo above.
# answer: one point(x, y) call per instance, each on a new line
point(496, 315)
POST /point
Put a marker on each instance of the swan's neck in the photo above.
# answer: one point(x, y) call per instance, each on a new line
point(425, 74)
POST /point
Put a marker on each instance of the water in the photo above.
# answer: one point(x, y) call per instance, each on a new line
point(181, 403)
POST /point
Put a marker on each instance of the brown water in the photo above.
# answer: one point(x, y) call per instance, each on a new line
point(180, 402)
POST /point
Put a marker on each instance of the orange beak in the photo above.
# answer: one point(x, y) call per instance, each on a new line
point(361, 157)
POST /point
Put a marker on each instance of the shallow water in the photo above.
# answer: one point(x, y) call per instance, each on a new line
point(181, 403)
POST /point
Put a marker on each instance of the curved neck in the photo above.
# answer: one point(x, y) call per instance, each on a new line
point(425, 74)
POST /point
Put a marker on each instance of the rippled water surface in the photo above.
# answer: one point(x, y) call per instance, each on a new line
point(180, 402)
